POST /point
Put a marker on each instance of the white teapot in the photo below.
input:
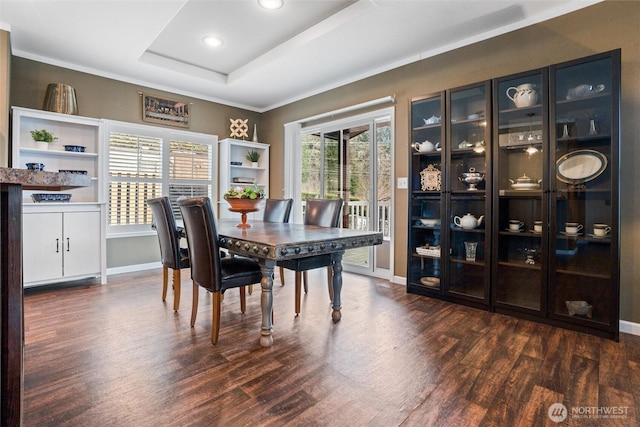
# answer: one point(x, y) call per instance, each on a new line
point(425, 147)
point(468, 221)
point(524, 96)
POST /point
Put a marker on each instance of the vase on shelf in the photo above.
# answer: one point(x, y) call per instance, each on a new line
point(41, 145)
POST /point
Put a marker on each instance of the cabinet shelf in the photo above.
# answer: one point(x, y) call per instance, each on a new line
point(467, 230)
point(69, 154)
point(464, 261)
point(434, 126)
point(521, 265)
point(583, 274)
point(520, 193)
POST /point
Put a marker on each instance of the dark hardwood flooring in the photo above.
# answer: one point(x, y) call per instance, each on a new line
point(116, 355)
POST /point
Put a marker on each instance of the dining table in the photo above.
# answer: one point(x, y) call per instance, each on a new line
point(270, 242)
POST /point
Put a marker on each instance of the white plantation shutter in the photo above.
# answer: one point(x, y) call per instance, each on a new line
point(147, 162)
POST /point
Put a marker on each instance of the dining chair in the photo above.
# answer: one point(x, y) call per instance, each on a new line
point(172, 256)
point(278, 210)
point(208, 268)
point(323, 213)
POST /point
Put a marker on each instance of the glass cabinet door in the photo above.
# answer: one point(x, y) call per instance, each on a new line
point(426, 186)
point(520, 221)
point(468, 195)
point(584, 111)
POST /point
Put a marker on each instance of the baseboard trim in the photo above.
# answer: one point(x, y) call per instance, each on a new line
point(630, 327)
point(133, 268)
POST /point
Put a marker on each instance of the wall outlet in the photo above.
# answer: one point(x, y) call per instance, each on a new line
point(403, 184)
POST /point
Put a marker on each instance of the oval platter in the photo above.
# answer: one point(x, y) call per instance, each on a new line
point(580, 166)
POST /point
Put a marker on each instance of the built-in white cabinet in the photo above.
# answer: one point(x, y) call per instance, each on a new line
point(62, 239)
point(236, 169)
point(59, 246)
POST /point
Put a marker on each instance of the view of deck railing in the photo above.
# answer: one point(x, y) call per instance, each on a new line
point(357, 212)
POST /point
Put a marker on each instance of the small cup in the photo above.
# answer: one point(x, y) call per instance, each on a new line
point(572, 228)
point(470, 250)
point(601, 229)
point(515, 224)
point(537, 226)
point(35, 166)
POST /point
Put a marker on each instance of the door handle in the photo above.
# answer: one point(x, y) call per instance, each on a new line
point(57, 245)
point(67, 244)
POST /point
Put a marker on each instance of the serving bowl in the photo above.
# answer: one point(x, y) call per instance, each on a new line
point(430, 222)
point(75, 148)
point(35, 166)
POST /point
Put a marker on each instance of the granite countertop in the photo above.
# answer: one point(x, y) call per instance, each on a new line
point(43, 180)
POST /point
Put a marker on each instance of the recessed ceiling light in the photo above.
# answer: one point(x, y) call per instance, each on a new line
point(213, 41)
point(271, 4)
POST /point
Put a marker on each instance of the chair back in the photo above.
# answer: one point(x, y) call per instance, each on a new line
point(202, 238)
point(323, 212)
point(277, 210)
point(165, 225)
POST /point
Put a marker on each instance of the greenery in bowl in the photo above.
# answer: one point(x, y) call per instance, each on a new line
point(253, 156)
point(246, 192)
point(43, 135)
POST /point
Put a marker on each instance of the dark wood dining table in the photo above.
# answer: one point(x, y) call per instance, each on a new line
point(270, 242)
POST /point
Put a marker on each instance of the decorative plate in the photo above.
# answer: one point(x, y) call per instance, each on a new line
point(430, 178)
point(580, 166)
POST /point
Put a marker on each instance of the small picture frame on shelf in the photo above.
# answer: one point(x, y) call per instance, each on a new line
point(165, 111)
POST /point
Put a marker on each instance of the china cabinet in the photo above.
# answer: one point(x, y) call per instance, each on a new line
point(556, 221)
point(237, 170)
point(64, 231)
point(584, 189)
point(468, 197)
point(426, 195)
point(514, 195)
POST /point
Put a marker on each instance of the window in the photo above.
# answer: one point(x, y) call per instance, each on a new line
point(146, 162)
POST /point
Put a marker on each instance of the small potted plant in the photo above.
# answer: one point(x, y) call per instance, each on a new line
point(253, 156)
point(43, 138)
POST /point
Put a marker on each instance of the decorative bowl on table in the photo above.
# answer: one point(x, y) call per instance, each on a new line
point(244, 199)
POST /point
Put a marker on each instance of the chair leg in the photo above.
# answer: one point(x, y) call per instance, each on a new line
point(298, 291)
point(243, 299)
point(194, 304)
point(250, 290)
point(330, 281)
point(176, 290)
point(282, 276)
point(306, 281)
point(215, 317)
point(165, 281)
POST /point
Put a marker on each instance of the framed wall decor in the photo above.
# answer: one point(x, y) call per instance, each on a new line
point(165, 111)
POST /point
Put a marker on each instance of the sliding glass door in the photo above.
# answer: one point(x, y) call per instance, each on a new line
point(352, 160)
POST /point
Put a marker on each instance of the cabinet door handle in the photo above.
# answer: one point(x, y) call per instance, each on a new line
point(57, 245)
point(67, 244)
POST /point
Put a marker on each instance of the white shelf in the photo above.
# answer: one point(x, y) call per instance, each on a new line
point(235, 150)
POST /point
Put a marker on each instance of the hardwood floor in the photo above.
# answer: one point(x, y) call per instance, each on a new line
point(116, 355)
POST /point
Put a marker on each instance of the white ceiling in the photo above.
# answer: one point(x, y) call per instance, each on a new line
point(269, 58)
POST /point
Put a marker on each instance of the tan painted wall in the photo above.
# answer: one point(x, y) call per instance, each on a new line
point(111, 99)
point(603, 27)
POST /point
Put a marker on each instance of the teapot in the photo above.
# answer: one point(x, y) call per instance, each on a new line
point(524, 96)
point(432, 120)
point(425, 147)
point(468, 221)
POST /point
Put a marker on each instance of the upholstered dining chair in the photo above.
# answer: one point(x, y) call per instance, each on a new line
point(278, 210)
point(172, 256)
point(208, 269)
point(323, 213)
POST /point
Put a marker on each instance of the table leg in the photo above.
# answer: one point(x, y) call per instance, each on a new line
point(337, 285)
point(266, 302)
